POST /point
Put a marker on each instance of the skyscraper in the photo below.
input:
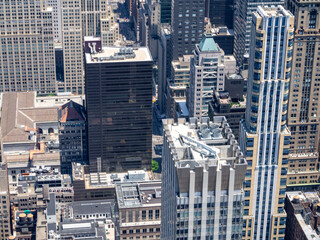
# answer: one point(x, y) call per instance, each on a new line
point(165, 11)
point(27, 53)
point(98, 20)
point(208, 67)
point(303, 107)
point(119, 109)
point(242, 24)
point(56, 17)
point(221, 13)
point(203, 170)
point(72, 48)
point(187, 22)
point(264, 137)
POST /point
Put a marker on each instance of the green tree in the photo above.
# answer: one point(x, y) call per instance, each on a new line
point(155, 166)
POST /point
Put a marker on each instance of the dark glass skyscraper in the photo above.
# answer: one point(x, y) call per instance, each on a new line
point(221, 12)
point(119, 109)
point(165, 11)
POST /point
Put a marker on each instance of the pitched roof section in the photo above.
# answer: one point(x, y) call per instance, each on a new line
point(208, 44)
point(19, 113)
point(72, 111)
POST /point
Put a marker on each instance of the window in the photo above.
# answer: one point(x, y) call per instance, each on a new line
point(144, 215)
point(150, 214)
point(157, 213)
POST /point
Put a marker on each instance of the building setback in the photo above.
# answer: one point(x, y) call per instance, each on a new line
point(203, 170)
point(303, 110)
point(119, 109)
point(264, 136)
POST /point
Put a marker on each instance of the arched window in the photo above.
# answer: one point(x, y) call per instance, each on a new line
point(50, 130)
point(40, 131)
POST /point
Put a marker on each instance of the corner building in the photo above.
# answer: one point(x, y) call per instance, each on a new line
point(202, 181)
point(119, 109)
point(264, 137)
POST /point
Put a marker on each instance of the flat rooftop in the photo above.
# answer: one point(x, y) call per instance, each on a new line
point(202, 143)
point(119, 54)
point(131, 195)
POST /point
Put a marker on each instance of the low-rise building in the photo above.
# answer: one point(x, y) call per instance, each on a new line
point(222, 105)
point(177, 85)
point(72, 135)
point(303, 216)
point(139, 207)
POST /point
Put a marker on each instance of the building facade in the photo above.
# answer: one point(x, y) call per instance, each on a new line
point(187, 22)
point(264, 136)
point(221, 13)
point(242, 25)
point(207, 73)
point(5, 220)
point(139, 207)
point(303, 211)
point(119, 109)
point(73, 80)
point(72, 135)
point(234, 111)
point(203, 171)
point(303, 111)
point(27, 51)
point(177, 84)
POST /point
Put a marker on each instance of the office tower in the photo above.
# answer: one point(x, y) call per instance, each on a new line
point(165, 11)
point(164, 65)
point(177, 85)
point(149, 25)
point(72, 135)
point(5, 220)
point(119, 109)
point(221, 13)
point(303, 110)
point(27, 51)
point(56, 17)
point(264, 136)
point(98, 20)
point(207, 72)
point(73, 80)
point(242, 25)
point(203, 170)
point(187, 22)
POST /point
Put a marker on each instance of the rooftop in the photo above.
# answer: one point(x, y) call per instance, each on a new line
point(92, 207)
point(278, 11)
point(306, 207)
point(19, 116)
point(117, 54)
point(208, 44)
point(202, 143)
point(130, 195)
